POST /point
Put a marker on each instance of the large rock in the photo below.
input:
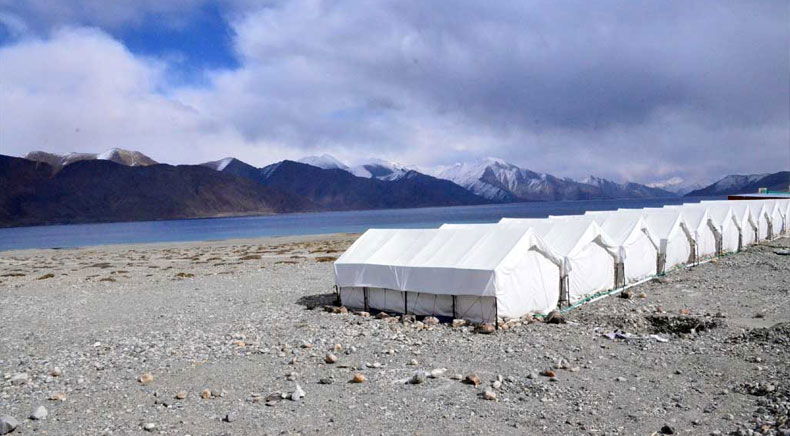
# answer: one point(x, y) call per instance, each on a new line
point(8, 424)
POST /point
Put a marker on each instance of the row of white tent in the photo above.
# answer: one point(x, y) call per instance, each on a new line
point(484, 272)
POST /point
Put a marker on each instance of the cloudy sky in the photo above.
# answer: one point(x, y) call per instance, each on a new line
point(630, 90)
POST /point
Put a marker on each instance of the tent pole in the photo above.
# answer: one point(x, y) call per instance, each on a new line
point(405, 302)
point(496, 313)
point(365, 296)
point(337, 295)
point(455, 313)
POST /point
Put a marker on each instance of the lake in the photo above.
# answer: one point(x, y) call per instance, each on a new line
point(80, 235)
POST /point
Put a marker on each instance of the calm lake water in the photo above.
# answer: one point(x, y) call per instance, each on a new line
point(80, 235)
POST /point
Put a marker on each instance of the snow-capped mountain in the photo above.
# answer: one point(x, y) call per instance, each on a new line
point(610, 189)
point(380, 169)
point(490, 178)
point(324, 161)
point(117, 155)
point(371, 169)
point(219, 165)
point(743, 184)
point(498, 180)
point(678, 185)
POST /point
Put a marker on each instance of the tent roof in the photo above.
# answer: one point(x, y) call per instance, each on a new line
point(618, 227)
point(721, 213)
point(695, 215)
point(663, 222)
point(565, 237)
point(481, 248)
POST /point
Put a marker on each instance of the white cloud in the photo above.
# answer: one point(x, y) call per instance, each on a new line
point(643, 93)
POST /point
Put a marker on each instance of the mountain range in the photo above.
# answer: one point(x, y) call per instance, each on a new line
point(745, 184)
point(93, 190)
point(123, 185)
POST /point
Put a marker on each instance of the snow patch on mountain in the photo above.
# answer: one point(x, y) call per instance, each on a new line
point(126, 157)
point(324, 161)
point(218, 165)
point(492, 178)
point(117, 155)
point(380, 169)
point(678, 185)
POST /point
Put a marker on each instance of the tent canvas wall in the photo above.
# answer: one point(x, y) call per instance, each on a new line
point(784, 208)
point(705, 230)
point(676, 240)
point(758, 211)
point(777, 218)
point(476, 274)
point(743, 217)
point(588, 255)
point(637, 247)
point(729, 228)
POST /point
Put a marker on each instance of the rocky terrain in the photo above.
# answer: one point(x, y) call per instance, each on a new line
point(232, 338)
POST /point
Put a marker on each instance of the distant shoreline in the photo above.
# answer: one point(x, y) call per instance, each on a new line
point(121, 246)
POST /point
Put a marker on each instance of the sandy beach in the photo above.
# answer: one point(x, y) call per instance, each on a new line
point(231, 337)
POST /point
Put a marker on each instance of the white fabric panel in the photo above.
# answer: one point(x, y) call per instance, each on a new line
point(706, 242)
point(421, 303)
point(669, 226)
point(702, 227)
point(386, 300)
point(759, 214)
point(592, 270)
point(678, 251)
point(640, 260)
point(729, 239)
point(353, 297)
point(777, 220)
point(476, 309)
point(453, 281)
point(536, 281)
point(743, 216)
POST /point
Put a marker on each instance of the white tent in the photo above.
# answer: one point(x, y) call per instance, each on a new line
point(704, 229)
point(472, 273)
point(589, 256)
point(676, 239)
point(726, 222)
point(742, 215)
point(760, 214)
point(637, 246)
point(784, 208)
point(775, 215)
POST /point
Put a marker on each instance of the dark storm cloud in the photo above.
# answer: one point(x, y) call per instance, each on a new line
point(625, 89)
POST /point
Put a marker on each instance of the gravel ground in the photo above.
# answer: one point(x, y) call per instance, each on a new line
point(130, 339)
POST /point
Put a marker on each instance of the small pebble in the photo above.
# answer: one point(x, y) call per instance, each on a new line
point(39, 414)
point(146, 378)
